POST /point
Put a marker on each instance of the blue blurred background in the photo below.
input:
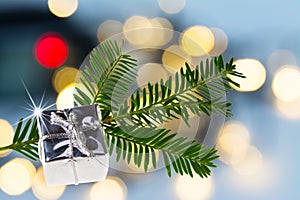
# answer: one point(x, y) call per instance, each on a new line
point(267, 118)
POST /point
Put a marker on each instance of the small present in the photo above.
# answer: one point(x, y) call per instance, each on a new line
point(72, 147)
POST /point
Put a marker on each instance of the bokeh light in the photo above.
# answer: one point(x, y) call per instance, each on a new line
point(286, 84)
point(137, 30)
point(280, 58)
point(195, 188)
point(63, 8)
point(51, 50)
point(63, 77)
point(151, 72)
point(42, 191)
point(251, 162)
point(220, 42)
point(174, 58)
point(197, 40)
point(233, 142)
point(16, 176)
point(162, 32)
point(109, 28)
point(255, 75)
point(6, 136)
point(171, 6)
point(112, 188)
point(290, 110)
point(65, 98)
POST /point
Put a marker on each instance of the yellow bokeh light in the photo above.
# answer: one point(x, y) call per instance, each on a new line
point(16, 176)
point(136, 30)
point(174, 58)
point(197, 40)
point(65, 97)
point(286, 84)
point(290, 110)
point(112, 188)
point(251, 163)
point(233, 142)
point(195, 188)
point(151, 72)
point(63, 77)
point(171, 6)
point(255, 75)
point(109, 28)
point(279, 58)
point(220, 42)
point(6, 136)
point(162, 32)
point(63, 8)
point(149, 33)
point(42, 191)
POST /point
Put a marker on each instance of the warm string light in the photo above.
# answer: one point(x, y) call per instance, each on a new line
point(6, 136)
point(16, 176)
point(42, 191)
point(63, 8)
point(197, 40)
point(112, 188)
point(196, 188)
point(255, 75)
point(234, 148)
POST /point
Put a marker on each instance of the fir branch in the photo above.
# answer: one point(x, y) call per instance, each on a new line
point(139, 144)
point(198, 90)
point(25, 146)
point(110, 73)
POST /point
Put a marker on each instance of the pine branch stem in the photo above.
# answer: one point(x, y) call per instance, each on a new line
point(113, 65)
point(147, 108)
point(19, 145)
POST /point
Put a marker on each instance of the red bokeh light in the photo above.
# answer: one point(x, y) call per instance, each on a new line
point(51, 50)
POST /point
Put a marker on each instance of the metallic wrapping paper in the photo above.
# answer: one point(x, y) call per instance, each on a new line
point(70, 133)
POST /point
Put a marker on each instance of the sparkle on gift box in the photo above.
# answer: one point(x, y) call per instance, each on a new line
point(36, 109)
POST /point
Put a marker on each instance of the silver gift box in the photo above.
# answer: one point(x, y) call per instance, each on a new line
point(72, 147)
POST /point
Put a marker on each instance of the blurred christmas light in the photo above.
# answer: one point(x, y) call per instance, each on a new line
point(6, 136)
point(109, 28)
point(286, 83)
point(174, 58)
point(171, 6)
point(280, 58)
point(220, 42)
point(63, 77)
point(65, 97)
point(16, 176)
point(233, 142)
point(162, 32)
point(251, 163)
point(112, 188)
point(51, 50)
point(42, 191)
point(290, 110)
point(136, 30)
point(151, 72)
point(255, 75)
point(197, 40)
point(63, 8)
point(195, 188)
